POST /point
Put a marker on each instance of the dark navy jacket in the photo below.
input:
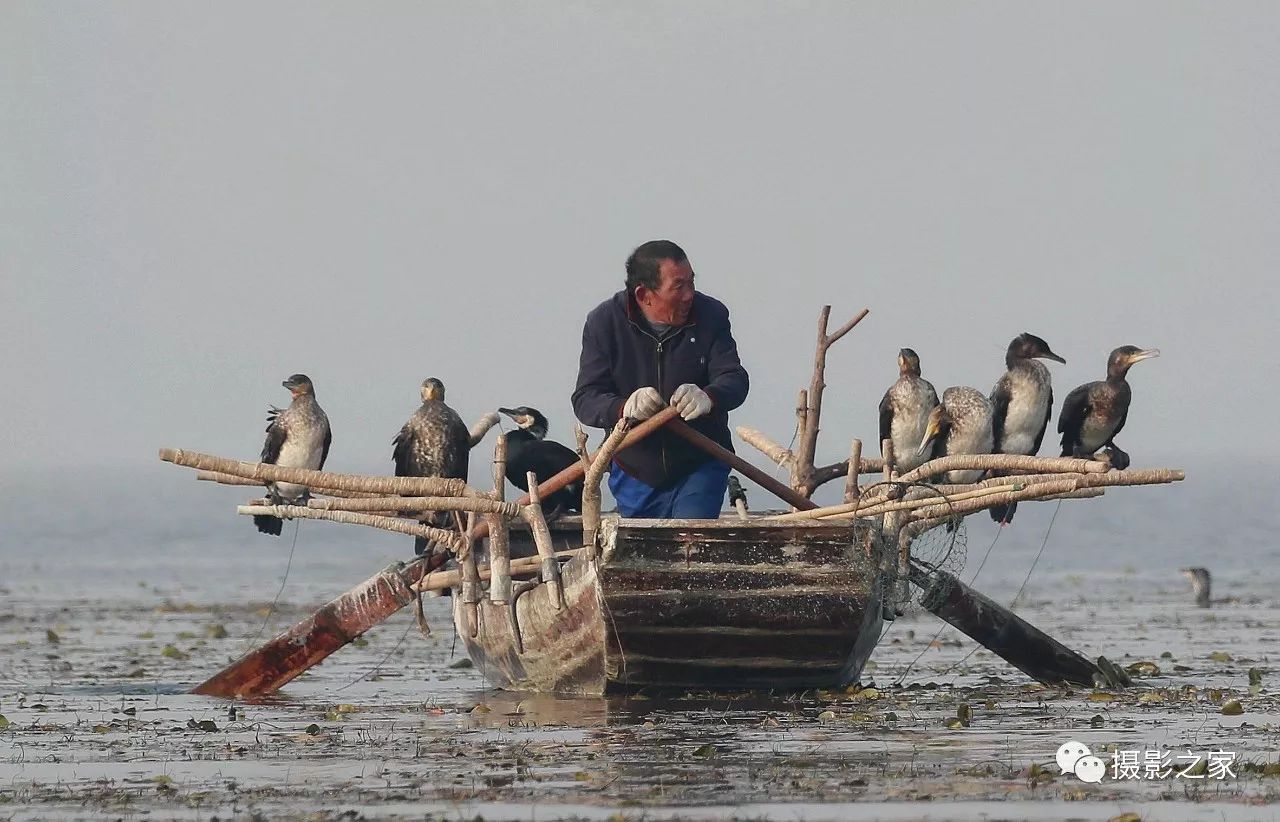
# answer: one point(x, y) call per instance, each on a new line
point(620, 354)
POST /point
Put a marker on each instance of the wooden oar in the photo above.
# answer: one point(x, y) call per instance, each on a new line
point(992, 626)
point(268, 668)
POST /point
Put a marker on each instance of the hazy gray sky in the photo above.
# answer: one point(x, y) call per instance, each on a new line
point(199, 199)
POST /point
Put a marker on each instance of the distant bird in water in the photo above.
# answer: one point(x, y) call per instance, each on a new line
point(433, 443)
point(1201, 585)
point(904, 412)
point(297, 437)
point(960, 424)
point(1095, 412)
point(528, 449)
point(1022, 405)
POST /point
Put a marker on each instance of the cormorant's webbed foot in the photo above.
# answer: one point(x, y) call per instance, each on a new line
point(1118, 458)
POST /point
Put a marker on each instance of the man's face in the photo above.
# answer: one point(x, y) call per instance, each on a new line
point(672, 300)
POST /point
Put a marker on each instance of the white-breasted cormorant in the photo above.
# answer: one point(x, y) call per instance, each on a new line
point(529, 450)
point(904, 411)
point(297, 437)
point(1095, 412)
point(434, 442)
point(1022, 402)
point(960, 424)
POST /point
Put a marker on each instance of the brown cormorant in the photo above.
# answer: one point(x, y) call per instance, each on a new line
point(297, 437)
point(434, 442)
point(1095, 412)
point(529, 450)
point(960, 424)
point(904, 411)
point(1022, 401)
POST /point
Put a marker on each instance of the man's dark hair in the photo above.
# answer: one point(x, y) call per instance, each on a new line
point(642, 265)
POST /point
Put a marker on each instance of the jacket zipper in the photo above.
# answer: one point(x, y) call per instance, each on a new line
point(662, 449)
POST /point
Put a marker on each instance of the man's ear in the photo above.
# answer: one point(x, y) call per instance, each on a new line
point(641, 294)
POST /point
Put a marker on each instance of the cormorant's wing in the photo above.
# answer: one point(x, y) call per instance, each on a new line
point(328, 440)
point(886, 417)
point(276, 434)
point(1048, 415)
point(1000, 397)
point(459, 449)
point(400, 454)
point(1074, 409)
point(1120, 425)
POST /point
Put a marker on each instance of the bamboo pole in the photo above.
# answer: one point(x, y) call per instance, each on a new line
point(478, 505)
point(916, 498)
point(958, 462)
point(482, 426)
point(499, 534)
point(264, 472)
point(591, 486)
point(532, 514)
point(400, 526)
point(229, 479)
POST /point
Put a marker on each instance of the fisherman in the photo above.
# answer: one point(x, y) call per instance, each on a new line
point(660, 342)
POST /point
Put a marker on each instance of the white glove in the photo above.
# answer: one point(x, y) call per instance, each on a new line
point(643, 403)
point(691, 401)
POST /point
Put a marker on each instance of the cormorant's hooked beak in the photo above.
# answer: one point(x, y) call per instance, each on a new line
point(510, 412)
point(1049, 355)
point(931, 430)
point(1145, 354)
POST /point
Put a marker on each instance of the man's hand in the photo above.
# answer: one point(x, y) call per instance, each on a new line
point(691, 401)
point(643, 403)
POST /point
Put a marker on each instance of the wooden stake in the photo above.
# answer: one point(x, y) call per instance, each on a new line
point(532, 514)
point(479, 505)
point(499, 534)
point(482, 426)
point(591, 486)
point(852, 469)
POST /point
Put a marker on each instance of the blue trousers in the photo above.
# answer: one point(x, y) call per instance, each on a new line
point(698, 496)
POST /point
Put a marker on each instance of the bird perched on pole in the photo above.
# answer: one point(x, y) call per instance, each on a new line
point(960, 424)
point(904, 411)
point(1095, 412)
point(1022, 405)
point(528, 449)
point(297, 437)
point(434, 442)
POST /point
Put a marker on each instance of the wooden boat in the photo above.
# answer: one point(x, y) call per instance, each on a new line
point(717, 604)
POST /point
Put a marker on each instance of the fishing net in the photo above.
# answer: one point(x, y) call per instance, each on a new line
point(937, 551)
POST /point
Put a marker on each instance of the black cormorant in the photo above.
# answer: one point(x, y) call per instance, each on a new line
point(1095, 412)
point(434, 442)
point(960, 424)
point(529, 450)
point(904, 411)
point(1023, 405)
point(297, 437)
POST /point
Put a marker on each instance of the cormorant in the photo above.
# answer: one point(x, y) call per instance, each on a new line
point(1023, 405)
point(529, 450)
point(960, 424)
point(433, 443)
point(297, 437)
point(1201, 585)
point(1095, 412)
point(904, 411)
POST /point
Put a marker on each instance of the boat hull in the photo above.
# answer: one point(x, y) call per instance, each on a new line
point(690, 604)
